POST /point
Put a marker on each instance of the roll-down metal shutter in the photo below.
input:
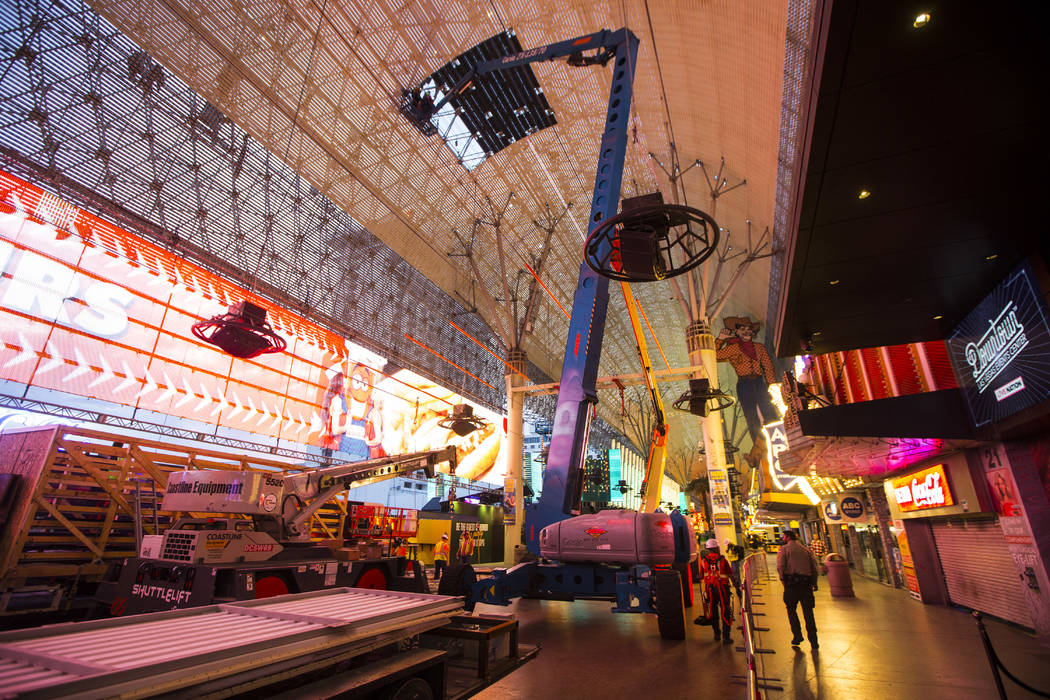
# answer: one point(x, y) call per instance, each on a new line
point(979, 570)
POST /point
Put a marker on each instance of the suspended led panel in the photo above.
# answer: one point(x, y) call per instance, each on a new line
point(495, 109)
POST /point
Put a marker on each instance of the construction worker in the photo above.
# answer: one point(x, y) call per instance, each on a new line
point(466, 548)
point(733, 557)
point(440, 556)
point(718, 606)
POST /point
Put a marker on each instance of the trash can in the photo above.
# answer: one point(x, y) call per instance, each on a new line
point(839, 582)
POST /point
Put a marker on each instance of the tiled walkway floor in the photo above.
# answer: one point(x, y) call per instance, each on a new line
point(881, 644)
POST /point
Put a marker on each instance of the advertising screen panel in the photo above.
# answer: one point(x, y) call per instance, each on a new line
point(615, 474)
point(1001, 349)
point(923, 490)
point(90, 313)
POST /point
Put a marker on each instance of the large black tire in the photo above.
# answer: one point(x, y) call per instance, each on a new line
point(687, 582)
point(670, 608)
point(459, 579)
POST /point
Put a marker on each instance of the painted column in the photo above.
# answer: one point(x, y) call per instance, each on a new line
point(877, 496)
point(701, 343)
point(929, 584)
point(513, 485)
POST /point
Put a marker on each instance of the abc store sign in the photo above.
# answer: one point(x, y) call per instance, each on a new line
point(845, 509)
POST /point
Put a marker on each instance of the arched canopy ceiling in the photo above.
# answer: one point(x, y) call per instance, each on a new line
point(319, 83)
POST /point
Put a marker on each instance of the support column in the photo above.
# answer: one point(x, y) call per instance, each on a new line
point(926, 562)
point(701, 344)
point(879, 504)
point(514, 483)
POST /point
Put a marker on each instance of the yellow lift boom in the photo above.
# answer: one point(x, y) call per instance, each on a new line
point(652, 484)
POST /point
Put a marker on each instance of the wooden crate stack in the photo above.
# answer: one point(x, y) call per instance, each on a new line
point(74, 504)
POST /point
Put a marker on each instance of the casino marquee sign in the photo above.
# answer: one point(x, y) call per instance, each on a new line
point(1001, 350)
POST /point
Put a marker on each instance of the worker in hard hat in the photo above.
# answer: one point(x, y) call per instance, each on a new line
point(466, 547)
point(734, 555)
point(717, 575)
point(441, 556)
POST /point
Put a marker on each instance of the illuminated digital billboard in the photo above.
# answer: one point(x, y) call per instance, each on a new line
point(923, 490)
point(1000, 350)
point(91, 311)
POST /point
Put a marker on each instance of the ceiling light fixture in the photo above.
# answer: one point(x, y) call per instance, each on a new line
point(462, 421)
point(242, 332)
point(834, 282)
point(863, 194)
point(938, 317)
point(921, 20)
point(993, 256)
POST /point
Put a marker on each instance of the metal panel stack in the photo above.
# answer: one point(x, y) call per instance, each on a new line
point(213, 646)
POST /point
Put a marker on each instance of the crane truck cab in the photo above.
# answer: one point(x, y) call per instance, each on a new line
point(256, 541)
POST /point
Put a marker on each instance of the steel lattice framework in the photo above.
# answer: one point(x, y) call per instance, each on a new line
point(87, 114)
point(86, 110)
point(289, 153)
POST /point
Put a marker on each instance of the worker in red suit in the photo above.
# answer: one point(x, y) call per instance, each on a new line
point(717, 576)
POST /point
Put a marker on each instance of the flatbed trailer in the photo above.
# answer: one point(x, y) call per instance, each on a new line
point(140, 585)
point(336, 641)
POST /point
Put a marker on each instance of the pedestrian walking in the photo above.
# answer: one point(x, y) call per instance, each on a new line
point(798, 572)
point(440, 556)
point(718, 605)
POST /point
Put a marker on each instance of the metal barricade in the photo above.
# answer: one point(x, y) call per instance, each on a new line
point(756, 575)
point(381, 522)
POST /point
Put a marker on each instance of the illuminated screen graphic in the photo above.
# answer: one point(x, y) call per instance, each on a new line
point(91, 310)
point(1000, 350)
point(922, 490)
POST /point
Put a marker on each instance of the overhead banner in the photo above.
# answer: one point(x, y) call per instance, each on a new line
point(1000, 351)
point(91, 313)
point(721, 502)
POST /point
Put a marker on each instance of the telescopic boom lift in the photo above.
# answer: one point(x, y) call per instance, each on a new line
point(608, 555)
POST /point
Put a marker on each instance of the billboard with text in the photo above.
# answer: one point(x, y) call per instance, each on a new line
point(89, 310)
point(1000, 350)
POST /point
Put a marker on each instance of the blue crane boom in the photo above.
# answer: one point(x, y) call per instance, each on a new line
point(614, 567)
point(563, 477)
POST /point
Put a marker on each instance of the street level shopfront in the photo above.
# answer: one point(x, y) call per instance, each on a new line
point(855, 534)
point(953, 549)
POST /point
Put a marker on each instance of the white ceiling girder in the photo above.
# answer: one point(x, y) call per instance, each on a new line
point(713, 76)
